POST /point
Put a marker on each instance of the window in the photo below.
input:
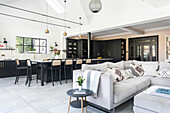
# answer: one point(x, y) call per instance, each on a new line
point(31, 45)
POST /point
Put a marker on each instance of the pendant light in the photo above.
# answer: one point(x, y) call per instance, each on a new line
point(65, 33)
point(95, 6)
point(80, 36)
point(47, 31)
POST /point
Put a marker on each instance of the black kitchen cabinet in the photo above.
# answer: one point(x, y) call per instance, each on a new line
point(115, 49)
point(7, 68)
point(77, 48)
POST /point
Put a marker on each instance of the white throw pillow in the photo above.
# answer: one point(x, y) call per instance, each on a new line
point(127, 64)
point(150, 69)
point(164, 73)
point(98, 67)
point(127, 74)
point(118, 65)
point(164, 65)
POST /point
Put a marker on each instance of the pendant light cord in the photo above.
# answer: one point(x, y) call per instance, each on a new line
point(65, 14)
point(80, 25)
point(47, 15)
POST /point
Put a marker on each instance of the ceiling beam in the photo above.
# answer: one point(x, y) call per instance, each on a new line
point(133, 30)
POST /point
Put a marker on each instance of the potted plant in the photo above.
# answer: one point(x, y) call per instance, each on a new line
point(56, 53)
point(80, 82)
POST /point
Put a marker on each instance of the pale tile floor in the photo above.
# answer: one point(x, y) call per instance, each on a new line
point(41, 99)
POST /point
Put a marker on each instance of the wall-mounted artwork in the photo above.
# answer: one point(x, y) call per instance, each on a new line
point(168, 47)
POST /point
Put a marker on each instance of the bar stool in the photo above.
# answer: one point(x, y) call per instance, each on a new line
point(18, 68)
point(29, 73)
point(88, 61)
point(68, 65)
point(79, 62)
point(55, 65)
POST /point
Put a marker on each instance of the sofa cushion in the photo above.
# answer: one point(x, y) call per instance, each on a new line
point(160, 81)
point(118, 65)
point(164, 65)
point(139, 82)
point(98, 67)
point(150, 68)
point(122, 91)
point(153, 103)
point(127, 64)
point(127, 74)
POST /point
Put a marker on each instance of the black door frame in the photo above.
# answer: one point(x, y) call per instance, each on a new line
point(140, 38)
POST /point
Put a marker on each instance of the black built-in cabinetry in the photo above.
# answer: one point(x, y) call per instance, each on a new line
point(76, 48)
point(115, 49)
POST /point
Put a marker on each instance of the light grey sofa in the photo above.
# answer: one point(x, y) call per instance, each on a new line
point(111, 95)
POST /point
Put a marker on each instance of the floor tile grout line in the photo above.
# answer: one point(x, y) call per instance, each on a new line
point(29, 104)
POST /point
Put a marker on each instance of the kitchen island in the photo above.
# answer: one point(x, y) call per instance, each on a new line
point(8, 68)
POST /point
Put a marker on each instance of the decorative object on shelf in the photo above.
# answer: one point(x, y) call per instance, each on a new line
point(65, 33)
point(47, 31)
point(99, 57)
point(80, 36)
point(56, 44)
point(80, 82)
point(5, 42)
point(57, 54)
point(51, 48)
point(95, 6)
point(2, 45)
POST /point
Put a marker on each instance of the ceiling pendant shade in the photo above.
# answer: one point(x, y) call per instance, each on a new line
point(95, 6)
point(47, 31)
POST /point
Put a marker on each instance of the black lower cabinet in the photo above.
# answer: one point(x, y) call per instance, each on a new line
point(7, 69)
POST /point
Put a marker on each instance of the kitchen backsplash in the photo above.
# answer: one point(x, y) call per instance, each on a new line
point(13, 55)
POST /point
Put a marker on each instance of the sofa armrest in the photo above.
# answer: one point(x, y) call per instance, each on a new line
point(105, 92)
point(76, 74)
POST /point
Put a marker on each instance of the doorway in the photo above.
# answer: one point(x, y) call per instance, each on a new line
point(144, 48)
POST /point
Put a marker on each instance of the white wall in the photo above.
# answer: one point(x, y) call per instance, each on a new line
point(10, 30)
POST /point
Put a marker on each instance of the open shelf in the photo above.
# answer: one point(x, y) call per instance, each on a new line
point(7, 49)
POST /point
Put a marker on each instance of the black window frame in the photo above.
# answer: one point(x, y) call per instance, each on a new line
point(32, 45)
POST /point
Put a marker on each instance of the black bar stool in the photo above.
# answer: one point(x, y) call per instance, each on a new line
point(29, 73)
point(18, 68)
point(55, 65)
point(68, 65)
point(78, 64)
point(88, 61)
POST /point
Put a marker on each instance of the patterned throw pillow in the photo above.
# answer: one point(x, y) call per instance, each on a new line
point(164, 73)
point(137, 70)
point(118, 75)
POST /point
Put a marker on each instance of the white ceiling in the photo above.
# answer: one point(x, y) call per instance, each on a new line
point(161, 24)
point(74, 11)
point(158, 3)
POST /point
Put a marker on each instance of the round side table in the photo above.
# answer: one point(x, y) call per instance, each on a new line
point(78, 103)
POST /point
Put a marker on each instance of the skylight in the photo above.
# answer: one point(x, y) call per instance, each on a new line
point(56, 6)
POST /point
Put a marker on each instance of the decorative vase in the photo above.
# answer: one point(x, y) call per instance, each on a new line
point(57, 57)
point(80, 88)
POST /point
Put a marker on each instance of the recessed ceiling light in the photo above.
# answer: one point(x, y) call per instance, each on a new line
point(56, 6)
